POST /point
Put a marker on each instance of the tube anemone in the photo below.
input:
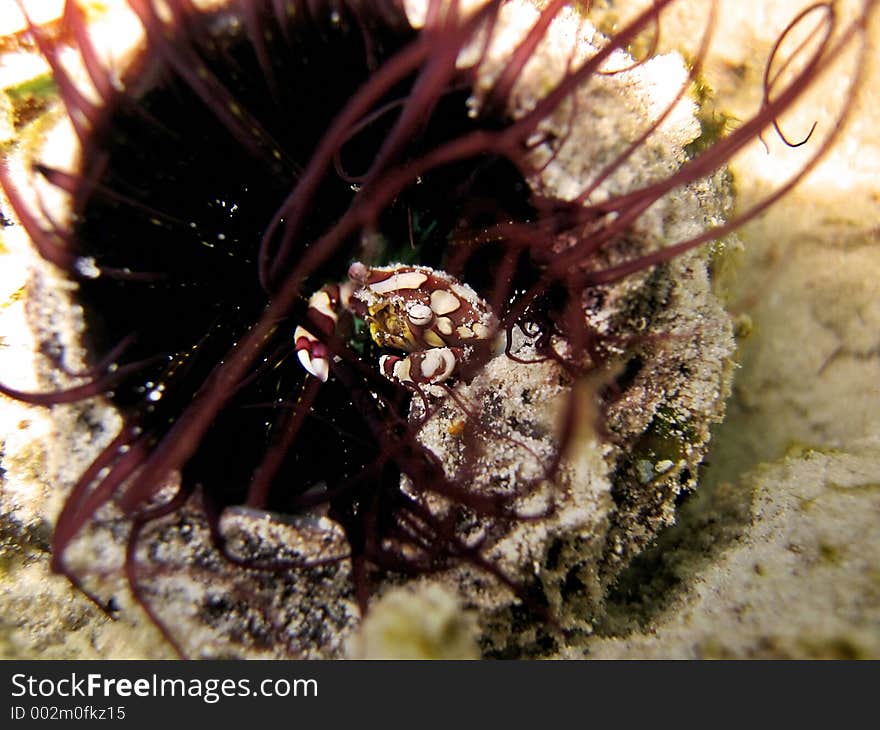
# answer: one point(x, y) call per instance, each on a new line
point(243, 160)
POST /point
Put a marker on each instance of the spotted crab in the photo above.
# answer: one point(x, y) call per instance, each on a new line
point(440, 321)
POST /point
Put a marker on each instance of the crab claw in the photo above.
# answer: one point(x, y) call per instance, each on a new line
point(312, 354)
point(427, 367)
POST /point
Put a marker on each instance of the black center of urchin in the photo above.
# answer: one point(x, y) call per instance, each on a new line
point(176, 213)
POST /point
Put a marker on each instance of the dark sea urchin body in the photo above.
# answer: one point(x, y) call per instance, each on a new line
point(256, 150)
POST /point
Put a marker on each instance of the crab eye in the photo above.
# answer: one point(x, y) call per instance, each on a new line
point(419, 314)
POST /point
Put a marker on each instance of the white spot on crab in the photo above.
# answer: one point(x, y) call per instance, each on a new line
point(402, 370)
point(402, 280)
point(444, 325)
point(444, 302)
point(466, 294)
point(481, 331)
point(320, 302)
